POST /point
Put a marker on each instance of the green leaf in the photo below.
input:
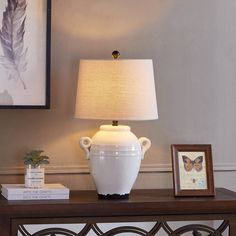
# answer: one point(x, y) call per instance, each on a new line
point(35, 158)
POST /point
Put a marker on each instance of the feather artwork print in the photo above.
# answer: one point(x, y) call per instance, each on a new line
point(12, 39)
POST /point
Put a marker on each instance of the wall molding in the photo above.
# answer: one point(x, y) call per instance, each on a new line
point(84, 169)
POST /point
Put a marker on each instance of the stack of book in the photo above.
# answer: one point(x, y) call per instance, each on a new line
point(20, 192)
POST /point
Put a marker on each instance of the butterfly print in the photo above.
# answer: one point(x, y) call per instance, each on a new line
point(195, 164)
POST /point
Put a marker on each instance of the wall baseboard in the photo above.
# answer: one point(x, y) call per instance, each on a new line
point(84, 169)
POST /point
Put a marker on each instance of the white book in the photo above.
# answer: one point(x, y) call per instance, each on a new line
point(35, 196)
point(48, 189)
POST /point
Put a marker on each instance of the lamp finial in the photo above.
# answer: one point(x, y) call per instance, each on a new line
point(115, 54)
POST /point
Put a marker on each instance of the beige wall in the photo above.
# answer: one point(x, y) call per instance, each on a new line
point(193, 46)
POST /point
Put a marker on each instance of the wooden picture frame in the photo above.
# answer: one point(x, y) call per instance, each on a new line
point(192, 170)
point(25, 35)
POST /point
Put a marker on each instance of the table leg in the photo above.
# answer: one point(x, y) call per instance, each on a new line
point(5, 226)
point(232, 226)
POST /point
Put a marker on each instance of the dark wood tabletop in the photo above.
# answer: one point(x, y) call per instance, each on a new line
point(158, 205)
point(141, 202)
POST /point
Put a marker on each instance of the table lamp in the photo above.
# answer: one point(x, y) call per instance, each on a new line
point(115, 90)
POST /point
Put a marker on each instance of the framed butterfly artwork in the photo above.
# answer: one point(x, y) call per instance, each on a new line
point(192, 170)
point(25, 28)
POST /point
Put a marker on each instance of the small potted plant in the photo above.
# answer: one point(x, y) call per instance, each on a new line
point(34, 175)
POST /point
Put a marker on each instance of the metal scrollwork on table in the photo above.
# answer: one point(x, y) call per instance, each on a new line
point(195, 229)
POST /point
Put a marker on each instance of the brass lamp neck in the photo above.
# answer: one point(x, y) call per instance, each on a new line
point(115, 123)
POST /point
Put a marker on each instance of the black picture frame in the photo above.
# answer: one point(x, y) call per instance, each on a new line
point(31, 99)
point(192, 169)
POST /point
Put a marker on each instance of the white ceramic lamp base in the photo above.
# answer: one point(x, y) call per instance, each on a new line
point(115, 156)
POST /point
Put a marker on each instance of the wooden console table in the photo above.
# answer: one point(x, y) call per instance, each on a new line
point(143, 206)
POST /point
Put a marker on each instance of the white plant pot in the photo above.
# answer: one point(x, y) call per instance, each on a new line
point(34, 177)
point(115, 156)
